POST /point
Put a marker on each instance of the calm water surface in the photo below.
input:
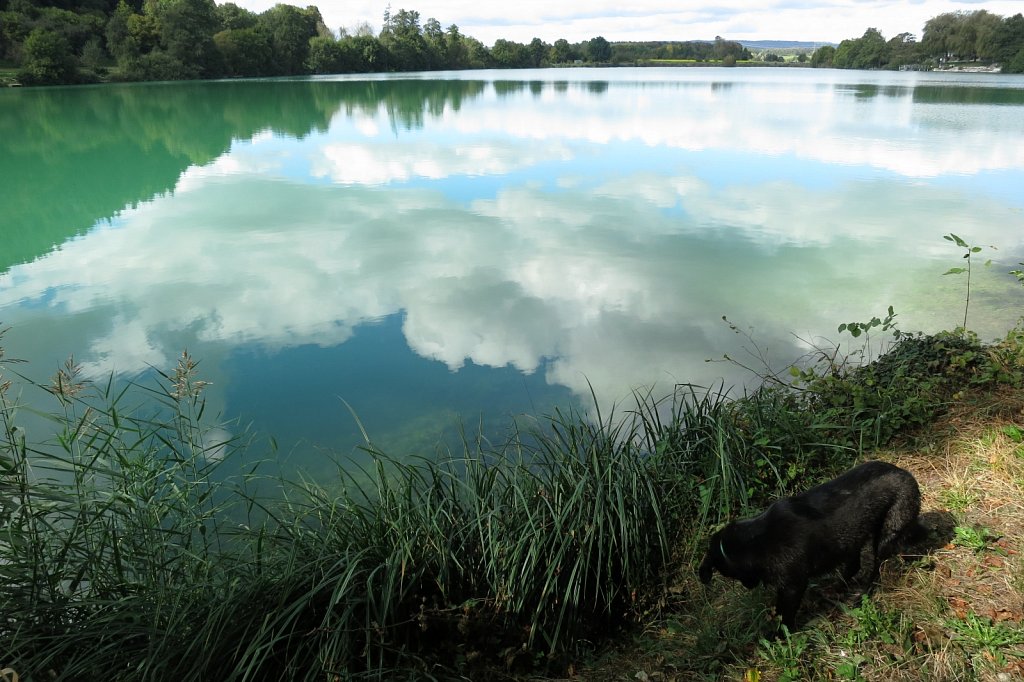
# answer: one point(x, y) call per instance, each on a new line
point(486, 244)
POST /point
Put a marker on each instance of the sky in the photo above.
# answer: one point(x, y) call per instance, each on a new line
point(577, 20)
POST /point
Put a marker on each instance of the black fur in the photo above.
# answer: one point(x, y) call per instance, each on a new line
point(854, 521)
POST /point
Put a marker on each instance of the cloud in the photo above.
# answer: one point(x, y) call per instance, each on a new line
point(595, 278)
point(616, 287)
point(372, 163)
point(827, 20)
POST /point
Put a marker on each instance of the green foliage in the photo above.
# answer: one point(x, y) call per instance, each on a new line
point(972, 35)
point(1015, 64)
point(857, 328)
point(179, 39)
point(953, 36)
point(244, 52)
point(785, 654)
point(969, 251)
point(47, 59)
point(973, 537)
point(867, 52)
point(863, 404)
point(823, 56)
point(983, 634)
point(325, 55)
point(872, 623)
point(599, 49)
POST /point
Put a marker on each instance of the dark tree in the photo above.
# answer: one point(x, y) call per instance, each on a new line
point(47, 58)
point(599, 49)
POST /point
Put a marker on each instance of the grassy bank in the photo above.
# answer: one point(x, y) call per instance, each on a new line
point(953, 614)
point(127, 553)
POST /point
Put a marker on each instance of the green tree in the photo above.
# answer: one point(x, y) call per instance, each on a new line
point(403, 38)
point(562, 52)
point(1016, 64)
point(130, 35)
point(478, 55)
point(723, 48)
point(510, 54)
point(185, 29)
point(1008, 40)
point(244, 52)
point(289, 30)
point(985, 27)
point(867, 52)
point(93, 55)
point(436, 45)
point(903, 49)
point(823, 56)
point(325, 55)
point(939, 35)
point(47, 58)
point(456, 51)
point(539, 51)
point(231, 16)
point(599, 50)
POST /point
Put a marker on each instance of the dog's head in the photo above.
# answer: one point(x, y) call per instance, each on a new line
point(713, 559)
point(725, 556)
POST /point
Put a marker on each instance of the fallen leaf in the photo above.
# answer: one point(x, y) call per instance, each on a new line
point(960, 607)
point(1000, 615)
point(992, 561)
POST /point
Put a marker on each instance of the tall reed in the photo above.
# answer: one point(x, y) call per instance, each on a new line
point(127, 552)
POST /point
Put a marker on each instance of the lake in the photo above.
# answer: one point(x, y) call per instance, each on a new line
point(469, 248)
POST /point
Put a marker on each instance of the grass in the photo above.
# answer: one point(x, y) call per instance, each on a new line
point(127, 552)
point(953, 614)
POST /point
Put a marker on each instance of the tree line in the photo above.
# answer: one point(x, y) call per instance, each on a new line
point(976, 36)
point(74, 41)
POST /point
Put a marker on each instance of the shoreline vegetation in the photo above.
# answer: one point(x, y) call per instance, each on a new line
point(128, 553)
point(90, 41)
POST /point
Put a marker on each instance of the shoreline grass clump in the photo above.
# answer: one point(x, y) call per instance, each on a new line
point(127, 553)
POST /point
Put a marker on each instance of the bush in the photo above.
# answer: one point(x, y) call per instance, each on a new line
point(47, 59)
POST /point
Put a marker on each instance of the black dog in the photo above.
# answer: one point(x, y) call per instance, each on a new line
point(855, 521)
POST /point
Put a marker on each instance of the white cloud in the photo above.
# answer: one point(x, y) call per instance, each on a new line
point(610, 285)
point(513, 280)
point(373, 163)
point(575, 20)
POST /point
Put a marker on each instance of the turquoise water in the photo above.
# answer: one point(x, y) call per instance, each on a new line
point(466, 248)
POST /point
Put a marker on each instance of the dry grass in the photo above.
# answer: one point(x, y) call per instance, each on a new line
point(955, 614)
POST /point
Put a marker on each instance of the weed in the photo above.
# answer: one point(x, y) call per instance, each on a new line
point(969, 251)
point(785, 654)
point(1014, 433)
point(959, 497)
point(888, 324)
point(974, 538)
point(977, 633)
point(873, 623)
